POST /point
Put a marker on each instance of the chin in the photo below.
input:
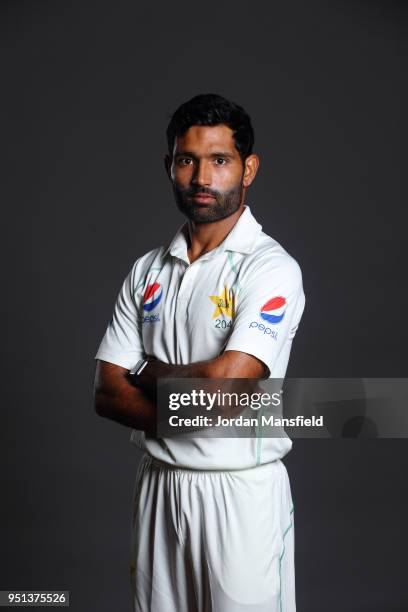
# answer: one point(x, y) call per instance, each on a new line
point(198, 214)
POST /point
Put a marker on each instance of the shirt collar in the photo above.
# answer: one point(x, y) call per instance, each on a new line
point(243, 235)
point(241, 238)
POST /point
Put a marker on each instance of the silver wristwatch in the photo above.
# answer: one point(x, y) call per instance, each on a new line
point(139, 367)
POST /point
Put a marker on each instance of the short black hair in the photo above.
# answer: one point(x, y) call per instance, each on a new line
point(212, 109)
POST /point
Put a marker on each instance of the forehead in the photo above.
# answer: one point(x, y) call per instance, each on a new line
point(204, 139)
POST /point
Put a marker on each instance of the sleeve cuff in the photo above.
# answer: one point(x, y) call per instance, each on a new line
point(124, 361)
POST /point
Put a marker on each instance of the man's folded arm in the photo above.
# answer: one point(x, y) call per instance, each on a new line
point(117, 398)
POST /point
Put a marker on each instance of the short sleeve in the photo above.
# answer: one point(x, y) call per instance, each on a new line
point(268, 312)
point(122, 342)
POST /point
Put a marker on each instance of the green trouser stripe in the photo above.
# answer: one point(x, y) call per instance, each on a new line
point(258, 446)
point(280, 561)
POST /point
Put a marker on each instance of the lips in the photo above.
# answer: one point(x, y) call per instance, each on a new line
point(203, 198)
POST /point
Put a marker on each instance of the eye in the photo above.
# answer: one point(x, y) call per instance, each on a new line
point(220, 161)
point(184, 161)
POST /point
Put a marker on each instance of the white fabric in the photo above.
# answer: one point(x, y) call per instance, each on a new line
point(212, 541)
point(182, 313)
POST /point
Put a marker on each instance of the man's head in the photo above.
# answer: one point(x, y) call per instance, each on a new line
point(210, 161)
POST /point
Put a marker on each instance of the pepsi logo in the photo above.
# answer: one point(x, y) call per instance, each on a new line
point(274, 310)
point(152, 296)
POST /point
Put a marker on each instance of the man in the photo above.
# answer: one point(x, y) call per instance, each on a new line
point(213, 517)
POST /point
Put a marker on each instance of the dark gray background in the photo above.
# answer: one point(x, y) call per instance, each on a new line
point(87, 90)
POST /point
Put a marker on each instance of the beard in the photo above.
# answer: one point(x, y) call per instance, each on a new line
point(226, 203)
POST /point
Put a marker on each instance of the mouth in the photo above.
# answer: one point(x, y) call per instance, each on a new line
point(203, 198)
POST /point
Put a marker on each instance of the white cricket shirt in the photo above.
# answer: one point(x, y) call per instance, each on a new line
point(244, 295)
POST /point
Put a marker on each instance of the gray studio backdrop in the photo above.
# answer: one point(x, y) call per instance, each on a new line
point(87, 90)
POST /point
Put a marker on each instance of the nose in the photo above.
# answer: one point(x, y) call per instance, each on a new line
point(202, 174)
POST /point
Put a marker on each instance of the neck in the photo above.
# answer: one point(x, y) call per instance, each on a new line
point(205, 237)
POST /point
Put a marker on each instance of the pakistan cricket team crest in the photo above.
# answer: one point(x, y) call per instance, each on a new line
point(224, 304)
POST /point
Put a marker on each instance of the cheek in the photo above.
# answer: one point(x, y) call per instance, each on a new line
point(182, 176)
point(229, 178)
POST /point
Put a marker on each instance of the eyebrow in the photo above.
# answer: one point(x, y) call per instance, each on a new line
point(193, 155)
point(221, 154)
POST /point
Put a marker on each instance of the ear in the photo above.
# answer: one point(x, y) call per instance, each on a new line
point(167, 165)
point(250, 170)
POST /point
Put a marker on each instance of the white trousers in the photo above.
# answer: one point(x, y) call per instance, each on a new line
point(212, 541)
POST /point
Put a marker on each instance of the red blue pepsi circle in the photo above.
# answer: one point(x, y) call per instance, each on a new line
point(274, 310)
point(152, 296)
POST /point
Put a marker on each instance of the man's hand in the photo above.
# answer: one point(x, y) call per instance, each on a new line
point(154, 370)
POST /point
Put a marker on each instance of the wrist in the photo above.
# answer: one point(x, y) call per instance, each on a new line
point(148, 376)
point(139, 367)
